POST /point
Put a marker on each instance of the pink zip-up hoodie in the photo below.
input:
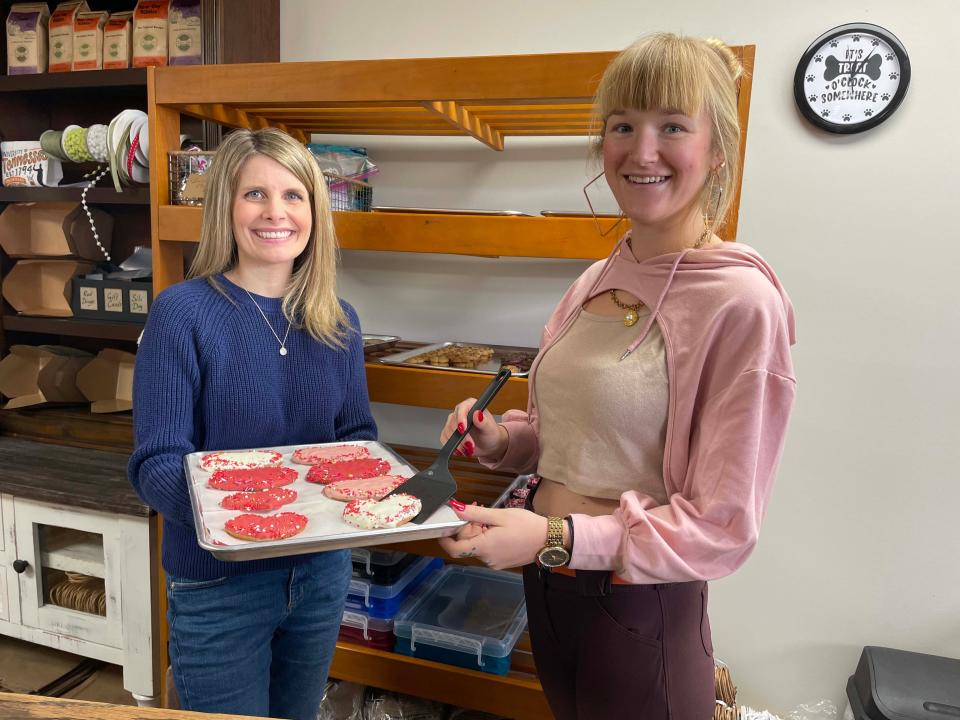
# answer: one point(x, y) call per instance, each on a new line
point(727, 326)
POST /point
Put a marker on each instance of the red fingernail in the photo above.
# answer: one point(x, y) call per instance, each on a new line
point(461, 428)
point(480, 416)
point(457, 505)
point(468, 446)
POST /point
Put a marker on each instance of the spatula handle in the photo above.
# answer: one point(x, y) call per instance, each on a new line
point(488, 394)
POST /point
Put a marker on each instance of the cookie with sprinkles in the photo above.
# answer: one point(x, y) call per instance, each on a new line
point(239, 459)
point(252, 479)
point(391, 512)
point(363, 488)
point(259, 501)
point(266, 527)
point(329, 453)
point(329, 472)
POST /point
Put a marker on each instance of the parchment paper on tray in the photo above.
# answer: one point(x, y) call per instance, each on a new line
point(325, 529)
point(472, 357)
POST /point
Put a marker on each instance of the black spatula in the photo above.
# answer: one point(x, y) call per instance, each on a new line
point(435, 485)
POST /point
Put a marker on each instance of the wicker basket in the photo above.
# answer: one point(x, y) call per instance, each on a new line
point(726, 707)
point(76, 591)
point(348, 194)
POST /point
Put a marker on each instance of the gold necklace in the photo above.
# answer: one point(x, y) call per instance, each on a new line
point(630, 319)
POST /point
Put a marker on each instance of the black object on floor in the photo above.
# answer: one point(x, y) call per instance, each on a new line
point(898, 685)
point(70, 679)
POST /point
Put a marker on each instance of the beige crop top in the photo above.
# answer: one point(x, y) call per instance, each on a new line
point(603, 422)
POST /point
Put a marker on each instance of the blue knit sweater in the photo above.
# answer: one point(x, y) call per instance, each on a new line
point(209, 376)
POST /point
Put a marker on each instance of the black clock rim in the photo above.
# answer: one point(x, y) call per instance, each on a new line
point(800, 97)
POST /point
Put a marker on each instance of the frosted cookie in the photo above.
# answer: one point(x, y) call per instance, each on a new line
point(239, 459)
point(259, 501)
point(347, 470)
point(390, 512)
point(253, 479)
point(363, 488)
point(266, 527)
point(329, 453)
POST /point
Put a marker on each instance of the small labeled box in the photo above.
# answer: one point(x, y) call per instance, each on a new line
point(121, 300)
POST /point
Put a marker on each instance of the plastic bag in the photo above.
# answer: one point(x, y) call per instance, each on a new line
point(342, 160)
point(383, 705)
point(342, 701)
point(821, 710)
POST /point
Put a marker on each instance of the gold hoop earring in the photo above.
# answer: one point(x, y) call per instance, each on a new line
point(596, 220)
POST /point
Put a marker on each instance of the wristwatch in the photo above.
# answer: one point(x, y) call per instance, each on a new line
point(553, 554)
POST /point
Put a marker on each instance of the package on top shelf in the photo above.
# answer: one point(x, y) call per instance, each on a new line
point(117, 47)
point(35, 375)
point(88, 40)
point(185, 33)
point(150, 32)
point(61, 34)
point(27, 38)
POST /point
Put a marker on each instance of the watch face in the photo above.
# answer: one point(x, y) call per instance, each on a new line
point(852, 78)
point(552, 557)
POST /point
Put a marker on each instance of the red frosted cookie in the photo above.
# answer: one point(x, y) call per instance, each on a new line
point(347, 470)
point(329, 453)
point(239, 459)
point(266, 527)
point(259, 501)
point(390, 512)
point(363, 488)
point(252, 480)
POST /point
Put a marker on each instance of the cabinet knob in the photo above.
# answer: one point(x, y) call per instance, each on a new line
point(20, 565)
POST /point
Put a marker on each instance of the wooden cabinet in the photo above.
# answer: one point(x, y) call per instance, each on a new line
point(488, 98)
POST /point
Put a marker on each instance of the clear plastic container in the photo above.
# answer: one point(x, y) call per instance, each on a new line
point(358, 627)
point(383, 601)
point(465, 616)
point(383, 567)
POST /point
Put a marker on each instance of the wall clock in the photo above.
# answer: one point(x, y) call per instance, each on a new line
point(851, 78)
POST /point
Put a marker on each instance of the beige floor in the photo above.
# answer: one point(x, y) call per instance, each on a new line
point(24, 667)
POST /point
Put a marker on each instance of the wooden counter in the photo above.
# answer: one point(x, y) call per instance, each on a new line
point(14, 706)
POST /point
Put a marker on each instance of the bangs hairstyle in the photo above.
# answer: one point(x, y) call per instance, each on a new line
point(310, 301)
point(667, 71)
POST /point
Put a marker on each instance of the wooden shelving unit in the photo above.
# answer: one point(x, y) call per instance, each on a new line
point(72, 327)
point(96, 196)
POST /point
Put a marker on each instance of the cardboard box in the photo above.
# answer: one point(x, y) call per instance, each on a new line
point(116, 41)
point(42, 287)
point(107, 381)
point(88, 40)
point(60, 34)
point(34, 375)
point(27, 38)
point(54, 229)
point(122, 300)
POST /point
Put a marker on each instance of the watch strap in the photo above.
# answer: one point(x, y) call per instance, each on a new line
point(554, 532)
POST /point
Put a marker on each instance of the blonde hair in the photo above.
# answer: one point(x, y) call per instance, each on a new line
point(311, 300)
point(688, 74)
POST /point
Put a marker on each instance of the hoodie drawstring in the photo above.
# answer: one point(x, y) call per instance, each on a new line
point(656, 309)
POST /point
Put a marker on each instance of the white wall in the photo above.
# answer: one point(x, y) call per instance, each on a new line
point(862, 541)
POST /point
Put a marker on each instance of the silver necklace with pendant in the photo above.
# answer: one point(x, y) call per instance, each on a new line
point(283, 343)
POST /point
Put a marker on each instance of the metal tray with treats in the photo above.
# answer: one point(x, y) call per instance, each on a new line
point(378, 342)
point(447, 211)
point(466, 357)
point(325, 530)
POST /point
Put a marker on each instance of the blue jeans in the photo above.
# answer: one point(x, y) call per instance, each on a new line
point(258, 644)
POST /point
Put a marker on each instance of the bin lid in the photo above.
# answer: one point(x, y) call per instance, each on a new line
point(894, 684)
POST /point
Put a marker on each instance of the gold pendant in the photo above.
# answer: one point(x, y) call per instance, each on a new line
point(630, 319)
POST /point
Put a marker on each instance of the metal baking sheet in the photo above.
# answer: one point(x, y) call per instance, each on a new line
point(491, 367)
point(447, 211)
point(575, 214)
point(325, 529)
point(378, 342)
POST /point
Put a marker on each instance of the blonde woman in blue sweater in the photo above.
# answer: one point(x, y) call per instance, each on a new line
point(255, 350)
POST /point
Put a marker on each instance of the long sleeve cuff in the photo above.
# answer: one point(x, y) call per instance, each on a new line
point(598, 542)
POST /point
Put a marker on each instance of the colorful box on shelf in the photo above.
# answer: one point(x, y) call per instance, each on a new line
point(42, 287)
point(358, 627)
point(97, 298)
point(382, 567)
point(54, 229)
point(465, 616)
point(383, 601)
point(37, 375)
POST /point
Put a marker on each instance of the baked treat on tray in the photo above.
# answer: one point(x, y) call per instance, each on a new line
point(329, 453)
point(373, 488)
point(259, 501)
point(252, 479)
point(266, 527)
point(391, 512)
point(239, 459)
point(328, 472)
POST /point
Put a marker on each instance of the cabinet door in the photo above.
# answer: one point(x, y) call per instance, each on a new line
point(71, 584)
point(9, 592)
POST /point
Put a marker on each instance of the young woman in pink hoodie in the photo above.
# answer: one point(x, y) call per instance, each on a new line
point(657, 412)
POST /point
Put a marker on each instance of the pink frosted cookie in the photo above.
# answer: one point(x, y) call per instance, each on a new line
point(252, 479)
point(266, 527)
point(329, 453)
point(363, 488)
point(259, 501)
point(347, 470)
point(239, 460)
point(390, 512)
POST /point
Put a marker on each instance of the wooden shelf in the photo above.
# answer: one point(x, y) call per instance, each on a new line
point(96, 196)
point(438, 388)
point(72, 550)
point(134, 78)
point(73, 327)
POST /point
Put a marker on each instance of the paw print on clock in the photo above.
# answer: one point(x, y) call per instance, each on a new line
point(868, 112)
point(833, 43)
point(856, 38)
point(824, 113)
point(889, 57)
point(885, 97)
point(811, 78)
point(847, 117)
point(894, 76)
point(874, 42)
point(812, 98)
point(818, 58)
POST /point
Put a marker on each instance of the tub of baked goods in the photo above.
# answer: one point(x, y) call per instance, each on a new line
point(466, 616)
point(270, 502)
point(372, 341)
point(383, 601)
point(466, 357)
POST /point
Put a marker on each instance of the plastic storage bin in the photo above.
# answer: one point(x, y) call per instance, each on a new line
point(894, 684)
point(380, 566)
point(383, 601)
point(465, 616)
point(360, 628)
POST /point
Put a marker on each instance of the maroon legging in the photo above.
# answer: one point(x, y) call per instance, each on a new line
point(607, 651)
